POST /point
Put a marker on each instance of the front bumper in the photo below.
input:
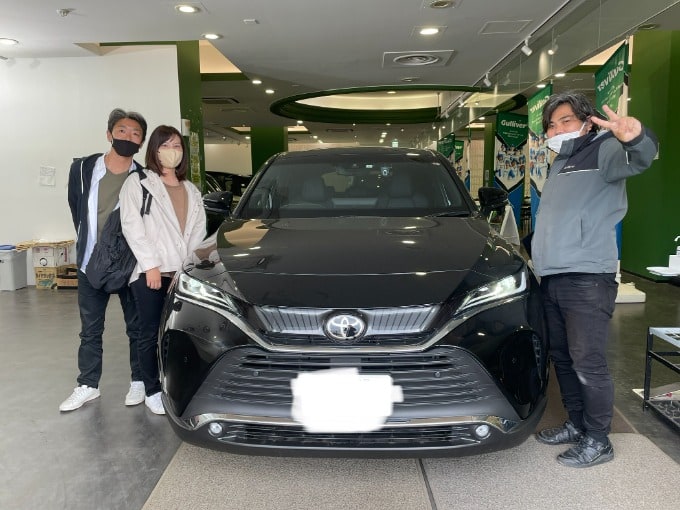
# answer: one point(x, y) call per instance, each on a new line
point(452, 406)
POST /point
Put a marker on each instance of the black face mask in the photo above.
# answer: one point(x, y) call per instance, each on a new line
point(125, 148)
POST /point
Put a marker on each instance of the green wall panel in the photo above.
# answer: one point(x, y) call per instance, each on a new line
point(265, 142)
point(189, 78)
point(652, 221)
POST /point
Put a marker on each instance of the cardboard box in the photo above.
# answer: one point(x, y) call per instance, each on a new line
point(51, 254)
point(69, 278)
point(46, 277)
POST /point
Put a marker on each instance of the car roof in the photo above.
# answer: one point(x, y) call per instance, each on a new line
point(359, 151)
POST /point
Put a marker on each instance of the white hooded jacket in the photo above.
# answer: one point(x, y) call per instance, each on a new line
point(156, 238)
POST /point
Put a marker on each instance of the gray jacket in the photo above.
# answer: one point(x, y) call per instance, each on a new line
point(583, 199)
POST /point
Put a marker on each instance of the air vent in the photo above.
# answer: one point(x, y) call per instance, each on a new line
point(504, 27)
point(439, 58)
point(220, 100)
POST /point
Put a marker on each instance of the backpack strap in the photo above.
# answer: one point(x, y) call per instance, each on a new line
point(146, 197)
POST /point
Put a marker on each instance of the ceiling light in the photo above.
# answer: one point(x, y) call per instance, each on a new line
point(269, 91)
point(256, 82)
point(553, 49)
point(487, 81)
point(540, 86)
point(525, 49)
point(299, 122)
point(441, 4)
point(429, 31)
point(212, 37)
point(187, 9)
point(8, 42)
point(410, 79)
point(649, 26)
point(64, 12)
point(560, 75)
point(391, 91)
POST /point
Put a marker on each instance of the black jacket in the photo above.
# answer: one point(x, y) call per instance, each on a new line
point(79, 182)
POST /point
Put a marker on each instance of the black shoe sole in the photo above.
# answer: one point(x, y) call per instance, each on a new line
point(600, 460)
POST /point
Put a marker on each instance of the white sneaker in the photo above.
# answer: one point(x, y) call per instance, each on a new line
point(136, 394)
point(155, 403)
point(80, 395)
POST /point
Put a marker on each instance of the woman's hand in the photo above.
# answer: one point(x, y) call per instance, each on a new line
point(153, 278)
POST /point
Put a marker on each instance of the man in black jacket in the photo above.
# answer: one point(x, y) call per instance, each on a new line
point(93, 188)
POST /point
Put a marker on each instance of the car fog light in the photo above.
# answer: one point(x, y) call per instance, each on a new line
point(215, 429)
point(482, 431)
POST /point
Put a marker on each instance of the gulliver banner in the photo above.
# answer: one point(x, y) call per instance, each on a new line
point(539, 154)
point(445, 145)
point(510, 164)
point(610, 80)
point(611, 89)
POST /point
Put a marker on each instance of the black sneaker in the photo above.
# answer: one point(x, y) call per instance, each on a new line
point(588, 452)
point(566, 434)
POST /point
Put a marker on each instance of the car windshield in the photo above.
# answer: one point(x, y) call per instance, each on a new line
point(380, 183)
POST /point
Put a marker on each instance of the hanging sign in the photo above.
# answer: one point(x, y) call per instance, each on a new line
point(610, 80)
point(539, 154)
point(445, 145)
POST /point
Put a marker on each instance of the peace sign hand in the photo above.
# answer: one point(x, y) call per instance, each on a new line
point(624, 129)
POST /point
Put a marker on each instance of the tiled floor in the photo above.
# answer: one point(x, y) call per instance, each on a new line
point(110, 456)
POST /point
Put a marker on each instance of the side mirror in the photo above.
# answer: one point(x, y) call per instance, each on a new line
point(492, 199)
point(218, 202)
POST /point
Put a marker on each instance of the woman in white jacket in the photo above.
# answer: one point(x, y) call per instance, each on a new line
point(160, 239)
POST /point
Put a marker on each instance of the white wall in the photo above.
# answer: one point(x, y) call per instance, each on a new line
point(228, 157)
point(52, 110)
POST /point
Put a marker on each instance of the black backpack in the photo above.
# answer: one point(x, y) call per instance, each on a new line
point(112, 261)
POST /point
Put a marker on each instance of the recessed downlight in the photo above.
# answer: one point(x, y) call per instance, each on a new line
point(410, 79)
point(187, 9)
point(256, 82)
point(211, 36)
point(269, 91)
point(429, 31)
point(560, 75)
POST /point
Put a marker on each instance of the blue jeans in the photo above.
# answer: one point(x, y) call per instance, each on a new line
point(149, 306)
point(578, 308)
point(93, 303)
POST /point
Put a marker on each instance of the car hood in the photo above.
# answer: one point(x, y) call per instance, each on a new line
point(355, 262)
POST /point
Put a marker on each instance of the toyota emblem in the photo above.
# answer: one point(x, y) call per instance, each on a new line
point(344, 327)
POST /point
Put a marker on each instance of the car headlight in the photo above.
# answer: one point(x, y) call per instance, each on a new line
point(494, 291)
point(196, 290)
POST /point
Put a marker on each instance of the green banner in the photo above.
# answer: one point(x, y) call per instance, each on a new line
point(445, 145)
point(610, 79)
point(458, 146)
point(511, 129)
point(535, 109)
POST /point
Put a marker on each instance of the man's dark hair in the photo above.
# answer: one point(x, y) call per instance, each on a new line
point(118, 114)
point(158, 137)
point(580, 104)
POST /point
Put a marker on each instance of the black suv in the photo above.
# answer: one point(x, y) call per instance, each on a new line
point(355, 302)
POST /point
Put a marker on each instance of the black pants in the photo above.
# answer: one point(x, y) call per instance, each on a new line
point(149, 306)
point(92, 303)
point(578, 309)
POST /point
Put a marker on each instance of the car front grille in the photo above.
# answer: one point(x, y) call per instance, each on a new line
point(442, 376)
point(385, 326)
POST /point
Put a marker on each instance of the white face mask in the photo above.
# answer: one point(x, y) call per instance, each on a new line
point(555, 142)
point(169, 158)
